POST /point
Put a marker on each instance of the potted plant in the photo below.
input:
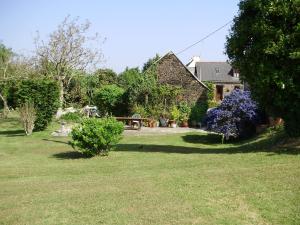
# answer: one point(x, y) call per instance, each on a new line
point(185, 112)
point(184, 120)
point(175, 115)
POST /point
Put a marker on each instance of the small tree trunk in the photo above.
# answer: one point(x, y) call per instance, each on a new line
point(61, 94)
point(5, 106)
point(146, 99)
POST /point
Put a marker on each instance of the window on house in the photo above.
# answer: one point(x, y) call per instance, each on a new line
point(236, 73)
point(217, 69)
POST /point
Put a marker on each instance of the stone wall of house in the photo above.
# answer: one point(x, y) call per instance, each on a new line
point(228, 88)
point(171, 71)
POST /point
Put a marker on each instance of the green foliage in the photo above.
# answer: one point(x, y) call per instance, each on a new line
point(150, 62)
point(75, 93)
point(129, 77)
point(107, 98)
point(185, 111)
point(156, 111)
point(5, 56)
point(212, 104)
point(210, 91)
point(264, 45)
point(75, 117)
point(44, 94)
point(106, 76)
point(198, 112)
point(138, 109)
point(175, 113)
point(96, 136)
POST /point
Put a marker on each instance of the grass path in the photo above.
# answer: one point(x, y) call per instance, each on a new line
point(170, 179)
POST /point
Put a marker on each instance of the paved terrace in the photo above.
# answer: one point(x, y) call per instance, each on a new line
point(144, 131)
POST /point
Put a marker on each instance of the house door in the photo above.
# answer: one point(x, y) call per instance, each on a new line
point(219, 92)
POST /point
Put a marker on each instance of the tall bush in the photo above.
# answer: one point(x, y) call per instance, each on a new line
point(185, 111)
point(198, 111)
point(234, 116)
point(44, 94)
point(28, 116)
point(108, 97)
point(96, 136)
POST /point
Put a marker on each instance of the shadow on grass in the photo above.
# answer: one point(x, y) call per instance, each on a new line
point(211, 139)
point(70, 155)
point(251, 146)
point(56, 141)
point(12, 133)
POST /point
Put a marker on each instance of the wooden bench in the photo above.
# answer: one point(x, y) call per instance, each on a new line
point(133, 121)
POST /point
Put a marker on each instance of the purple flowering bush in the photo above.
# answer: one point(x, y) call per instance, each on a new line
point(234, 116)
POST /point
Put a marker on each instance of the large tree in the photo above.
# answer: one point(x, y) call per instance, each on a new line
point(13, 67)
point(68, 49)
point(5, 59)
point(264, 45)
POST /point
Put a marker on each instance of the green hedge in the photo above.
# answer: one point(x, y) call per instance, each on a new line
point(44, 94)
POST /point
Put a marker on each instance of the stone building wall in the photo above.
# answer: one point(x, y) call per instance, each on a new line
point(227, 88)
point(171, 71)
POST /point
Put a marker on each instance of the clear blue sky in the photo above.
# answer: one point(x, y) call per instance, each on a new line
point(135, 30)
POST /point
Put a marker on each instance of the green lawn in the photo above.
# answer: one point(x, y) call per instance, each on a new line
point(176, 179)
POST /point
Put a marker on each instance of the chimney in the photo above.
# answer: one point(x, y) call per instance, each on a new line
point(192, 64)
point(194, 60)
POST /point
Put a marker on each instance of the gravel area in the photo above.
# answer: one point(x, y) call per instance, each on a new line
point(160, 131)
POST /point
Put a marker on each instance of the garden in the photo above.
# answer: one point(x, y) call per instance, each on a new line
point(66, 159)
point(173, 179)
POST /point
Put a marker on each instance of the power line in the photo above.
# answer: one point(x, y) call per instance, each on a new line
point(207, 36)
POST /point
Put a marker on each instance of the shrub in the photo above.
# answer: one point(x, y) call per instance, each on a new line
point(107, 98)
point(184, 111)
point(44, 94)
point(198, 112)
point(96, 136)
point(138, 109)
point(234, 116)
point(210, 91)
point(72, 117)
point(28, 116)
point(175, 113)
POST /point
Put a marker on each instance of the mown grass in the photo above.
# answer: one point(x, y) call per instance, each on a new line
point(171, 179)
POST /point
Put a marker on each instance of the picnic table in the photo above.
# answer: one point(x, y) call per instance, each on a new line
point(133, 121)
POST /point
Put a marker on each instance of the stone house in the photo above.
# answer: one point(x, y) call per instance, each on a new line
point(170, 70)
point(224, 77)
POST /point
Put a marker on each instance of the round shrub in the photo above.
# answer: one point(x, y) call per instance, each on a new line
point(96, 136)
point(44, 94)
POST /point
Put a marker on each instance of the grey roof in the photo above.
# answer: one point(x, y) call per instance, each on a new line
point(216, 72)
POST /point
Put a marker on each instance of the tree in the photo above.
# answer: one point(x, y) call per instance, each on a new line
point(107, 97)
point(5, 58)
point(106, 76)
point(150, 62)
point(129, 77)
point(264, 45)
point(67, 51)
point(236, 114)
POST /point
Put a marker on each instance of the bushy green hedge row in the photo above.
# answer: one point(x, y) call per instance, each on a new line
point(44, 94)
